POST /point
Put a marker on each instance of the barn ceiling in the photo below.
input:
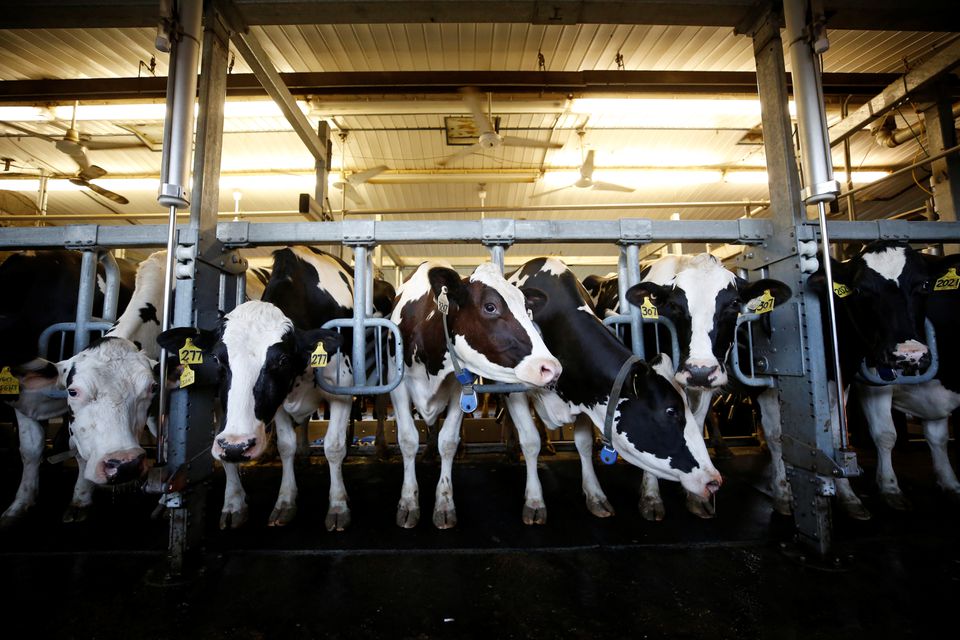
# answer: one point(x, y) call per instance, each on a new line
point(667, 109)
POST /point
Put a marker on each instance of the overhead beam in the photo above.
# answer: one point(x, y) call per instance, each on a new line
point(921, 15)
point(923, 74)
point(553, 85)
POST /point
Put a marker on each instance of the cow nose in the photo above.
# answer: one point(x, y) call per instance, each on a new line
point(700, 376)
point(235, 451)
point(911, 355)
point(550, 371)
point(123, 469)
point(714, 485)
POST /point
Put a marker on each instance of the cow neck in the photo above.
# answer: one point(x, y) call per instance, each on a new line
point(464, 376)
point(609, 454)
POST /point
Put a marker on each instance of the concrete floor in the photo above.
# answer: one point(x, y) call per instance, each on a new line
point(736, 576)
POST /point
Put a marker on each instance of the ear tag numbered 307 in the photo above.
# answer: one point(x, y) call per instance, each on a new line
point(948, 281)
point(190, 353)
point(764, 303)
point(319, 357)
point(9, 384)
point(648, 310)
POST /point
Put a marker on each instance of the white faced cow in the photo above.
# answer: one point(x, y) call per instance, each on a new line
point(652, 427)
point(263, 349)
point(703, 299)
point(491, 335)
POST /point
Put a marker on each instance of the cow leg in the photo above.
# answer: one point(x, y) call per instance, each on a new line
point(877, 403)
point(651, 504)
point(303, 442)
point(597, 502)
point(286, 506)
point(380, 406)
point(769, 403)
point(335, 450)
point(849, 501)
point(82, 500)
point(546, 446)
point(234, 512)
point(31, 452)
point(408, 510)
point(534, 508)
point(936, 433)
point(508, 434)
point(444, 511)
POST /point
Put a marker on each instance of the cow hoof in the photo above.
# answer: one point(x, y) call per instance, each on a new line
point(445, 518)
point(953, 496)
point(705, 509)
point(338, 518)
point(11, 519)
point(282, 515)
point(855, 510)
point(408, 515)
point(76, 513)
point(600, 507)
point(535, 513)
point(652, 510)
point(233, 519)
point(897, 501)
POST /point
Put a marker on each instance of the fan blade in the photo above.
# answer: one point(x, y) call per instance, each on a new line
point(608, 186)
point(543, 193)
point(92, 172)
point(29, 132)
point(513, 141)
point(353, 195)
point(586, 170)
point(116, 197)
point(463, 153)
point(103, 145)
point(472, 98)
point(362, 176)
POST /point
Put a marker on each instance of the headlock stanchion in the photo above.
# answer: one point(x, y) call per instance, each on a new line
point(884, 376)
point(380, 374)
point(756, 362)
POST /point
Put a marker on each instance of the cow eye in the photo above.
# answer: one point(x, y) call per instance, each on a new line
point(489, 307)
point(154, 387)
point(72, 392)
point(672, 412)
point(281, 361)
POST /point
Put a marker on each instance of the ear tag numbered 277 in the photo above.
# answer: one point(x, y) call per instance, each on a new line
point(648, 310)
point(190, 353)
point(319, 357)
point(9, 384)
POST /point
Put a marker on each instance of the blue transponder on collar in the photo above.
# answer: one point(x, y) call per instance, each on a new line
point(608, 455)
point(466, 377)
point(468, 401)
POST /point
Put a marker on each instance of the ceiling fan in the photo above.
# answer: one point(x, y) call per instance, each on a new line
point(489, 138)
point(76, 147)
point(586, 180)
point(348, 184)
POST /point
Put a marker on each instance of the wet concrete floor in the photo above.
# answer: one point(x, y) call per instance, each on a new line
point(736, 576)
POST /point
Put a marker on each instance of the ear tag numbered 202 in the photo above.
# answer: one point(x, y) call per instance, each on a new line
point(319, 357)
point(9, 384)
point(765, 303)
point(187, 377)
point(190, 353)
point(648, 310)
point(948, 281)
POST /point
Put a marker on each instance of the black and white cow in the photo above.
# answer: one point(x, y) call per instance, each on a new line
point(882, 296)
point(492, 336)
point(263, 349)
point(109, 385)
point(702, 298)
point(652, 425)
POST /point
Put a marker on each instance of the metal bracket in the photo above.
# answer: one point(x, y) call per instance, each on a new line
point(81, 236)
point(786, 357)
point(804, 456)
point(888, 231)
point(359, 232)
point(751, 232)
point(635, 230)
point(234, 234)
point(498, 231)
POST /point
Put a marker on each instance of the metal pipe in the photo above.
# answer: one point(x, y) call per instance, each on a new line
point(851, 201)
point(88, 282)
point(497, 256)
point(111, 289)
point(142, 216)
point(832, 306)
point(892, 137)
point(360, 274)
point(633, 277)
point(900, 172)
point(566, 207)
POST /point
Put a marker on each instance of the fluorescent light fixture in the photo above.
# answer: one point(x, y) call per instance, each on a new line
point(674, 112)
point(760, 176)
point(140, 111)
point(639, 179)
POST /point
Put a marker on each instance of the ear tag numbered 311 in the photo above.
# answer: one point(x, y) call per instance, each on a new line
point(319, 357)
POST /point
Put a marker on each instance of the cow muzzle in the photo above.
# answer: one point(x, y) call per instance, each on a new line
point(237, 448)
point(701, 376)
point(539, 371)
point(702, 483)
point(911, 357)
point(122, 466)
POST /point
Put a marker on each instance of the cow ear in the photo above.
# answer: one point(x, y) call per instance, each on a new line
point(173, 339)
point(534, 299)
point(444, 277)
point(753, 290)
point(658, 294)
point(307, 341)
point(842, 275)
point(36, 374)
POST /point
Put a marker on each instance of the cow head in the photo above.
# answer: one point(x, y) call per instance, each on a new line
point(882, 293)
point(260, 354)
point(110, 386)
point(490, 326)
point(703, 301)
point(654, 429)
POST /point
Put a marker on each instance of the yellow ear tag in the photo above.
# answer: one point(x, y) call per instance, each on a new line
point(841, 289)
point(949, 281)
point(187, 377)
point(9, 384)
point(319, 356)
point(648, 310)
point(190, 353)
point(765, 303)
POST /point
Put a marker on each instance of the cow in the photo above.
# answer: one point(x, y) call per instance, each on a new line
point(479, 324)
point(263, 350)
point(882, 296)
point(702, 298)
point(109, 385)
point(651, 426)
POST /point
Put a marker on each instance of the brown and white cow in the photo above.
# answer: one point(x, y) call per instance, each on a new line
point(492, 336)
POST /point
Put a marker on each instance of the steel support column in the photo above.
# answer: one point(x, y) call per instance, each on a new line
point(804, 396)
point(941, 135)
point(198, 285)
